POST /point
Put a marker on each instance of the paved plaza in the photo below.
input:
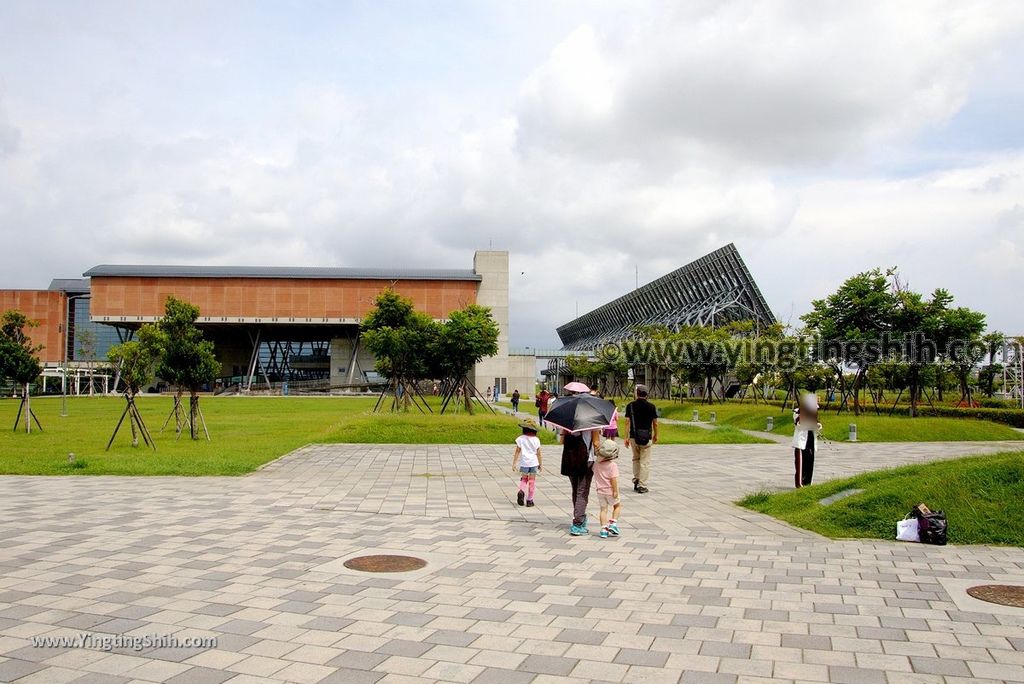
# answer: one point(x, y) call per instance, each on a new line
point(695, 589)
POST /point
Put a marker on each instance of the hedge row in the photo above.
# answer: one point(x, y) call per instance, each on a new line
point(1011, 417)
point(991, 402)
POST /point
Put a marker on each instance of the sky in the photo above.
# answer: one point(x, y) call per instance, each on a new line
point(593, 140)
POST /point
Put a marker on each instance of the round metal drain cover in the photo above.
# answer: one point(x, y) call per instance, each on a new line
point(1003, 594)
point(385, 563)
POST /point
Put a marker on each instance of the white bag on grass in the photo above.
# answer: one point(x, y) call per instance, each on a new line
point(908, 530)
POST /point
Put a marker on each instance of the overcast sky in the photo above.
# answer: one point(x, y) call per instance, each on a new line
point(587, 138)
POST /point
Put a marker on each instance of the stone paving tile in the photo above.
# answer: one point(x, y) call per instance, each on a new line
point(695, 589)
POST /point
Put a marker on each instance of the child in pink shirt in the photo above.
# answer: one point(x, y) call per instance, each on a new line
point(606, 478)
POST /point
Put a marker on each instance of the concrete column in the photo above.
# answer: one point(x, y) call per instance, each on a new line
point(343, 370)
point(492, 267)
point(520, 371)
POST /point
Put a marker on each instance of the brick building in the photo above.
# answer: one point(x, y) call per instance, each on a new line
point(269, 324)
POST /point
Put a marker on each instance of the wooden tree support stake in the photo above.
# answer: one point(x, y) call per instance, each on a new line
point(135, 421)
point(31, 416)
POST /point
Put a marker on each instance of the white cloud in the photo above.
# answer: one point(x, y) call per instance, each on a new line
point(761, 82)
point(642, 138)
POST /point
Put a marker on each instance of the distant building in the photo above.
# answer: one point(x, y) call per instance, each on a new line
point(269, 323)
point(713, 290)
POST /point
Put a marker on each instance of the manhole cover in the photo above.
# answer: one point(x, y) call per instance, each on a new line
point(385, 563)
point(1003, 594)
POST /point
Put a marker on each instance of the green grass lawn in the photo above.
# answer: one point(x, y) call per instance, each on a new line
point(417, 428)
point(981, 497)
point(870, 428)
point(246, 432)
point(688, 434)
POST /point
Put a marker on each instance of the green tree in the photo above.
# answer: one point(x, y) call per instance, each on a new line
point(583, 369)
point(19, 360)
point(707, 355)
point(468, 336)
point(963, 346)
point(187, 360)
point(792, 365)
point(918, 323)
point(136, 362)
point(849, 321)
point(661, 362)
point(994, 341)
point(613, 374)
point(86, 340)
point(759, 360)
point(402, 340)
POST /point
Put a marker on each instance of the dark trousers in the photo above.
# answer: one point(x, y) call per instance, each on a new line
point(803, 462)
point(515, 405)
point(580, 495)
point(540, 415)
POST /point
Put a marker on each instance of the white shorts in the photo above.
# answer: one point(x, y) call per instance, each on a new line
point(606, 500)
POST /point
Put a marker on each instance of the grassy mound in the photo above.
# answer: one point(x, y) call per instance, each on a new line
point(981, 496)
point(870, 427)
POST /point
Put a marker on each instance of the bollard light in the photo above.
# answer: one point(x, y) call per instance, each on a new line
point(853, 432)
point(771, 424)
point(696, 415)
point(71, 458)
point(714, 416)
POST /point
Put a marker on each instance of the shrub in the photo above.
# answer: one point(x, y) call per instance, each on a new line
point(1011, 417)
point(991, 402)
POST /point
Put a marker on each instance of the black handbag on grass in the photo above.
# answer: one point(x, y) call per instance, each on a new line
point(932, 525)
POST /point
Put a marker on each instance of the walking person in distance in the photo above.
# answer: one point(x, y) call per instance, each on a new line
point(542, 401)
point(641, 428)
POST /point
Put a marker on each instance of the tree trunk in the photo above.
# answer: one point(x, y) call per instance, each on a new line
point(131, 423)
point(28, 409)
point(177, 410)
point(913, 391)
point(466, 396)
point(965, 388)
point(856, 393)
point(193, 412)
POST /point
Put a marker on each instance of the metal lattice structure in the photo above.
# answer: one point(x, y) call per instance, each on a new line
point(1013, 370)
point(713, 290)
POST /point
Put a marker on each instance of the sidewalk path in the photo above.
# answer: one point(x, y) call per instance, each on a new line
point(695, 590)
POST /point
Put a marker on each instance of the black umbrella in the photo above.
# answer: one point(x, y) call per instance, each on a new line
point(580, 412)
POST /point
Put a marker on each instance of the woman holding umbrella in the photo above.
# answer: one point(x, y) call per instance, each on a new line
point(581, 418)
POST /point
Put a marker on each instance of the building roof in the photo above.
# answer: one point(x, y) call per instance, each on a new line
point(69, 284)
point(284, 272)
point(714, 289)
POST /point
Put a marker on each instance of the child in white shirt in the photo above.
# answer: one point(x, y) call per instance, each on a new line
point(527, 460)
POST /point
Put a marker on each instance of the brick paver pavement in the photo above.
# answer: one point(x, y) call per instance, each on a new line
point(695, 590)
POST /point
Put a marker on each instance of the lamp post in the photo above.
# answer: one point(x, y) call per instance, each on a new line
point(67, 340)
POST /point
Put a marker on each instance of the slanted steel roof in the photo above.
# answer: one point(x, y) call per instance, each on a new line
point(711, 290)
point(283, 272)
